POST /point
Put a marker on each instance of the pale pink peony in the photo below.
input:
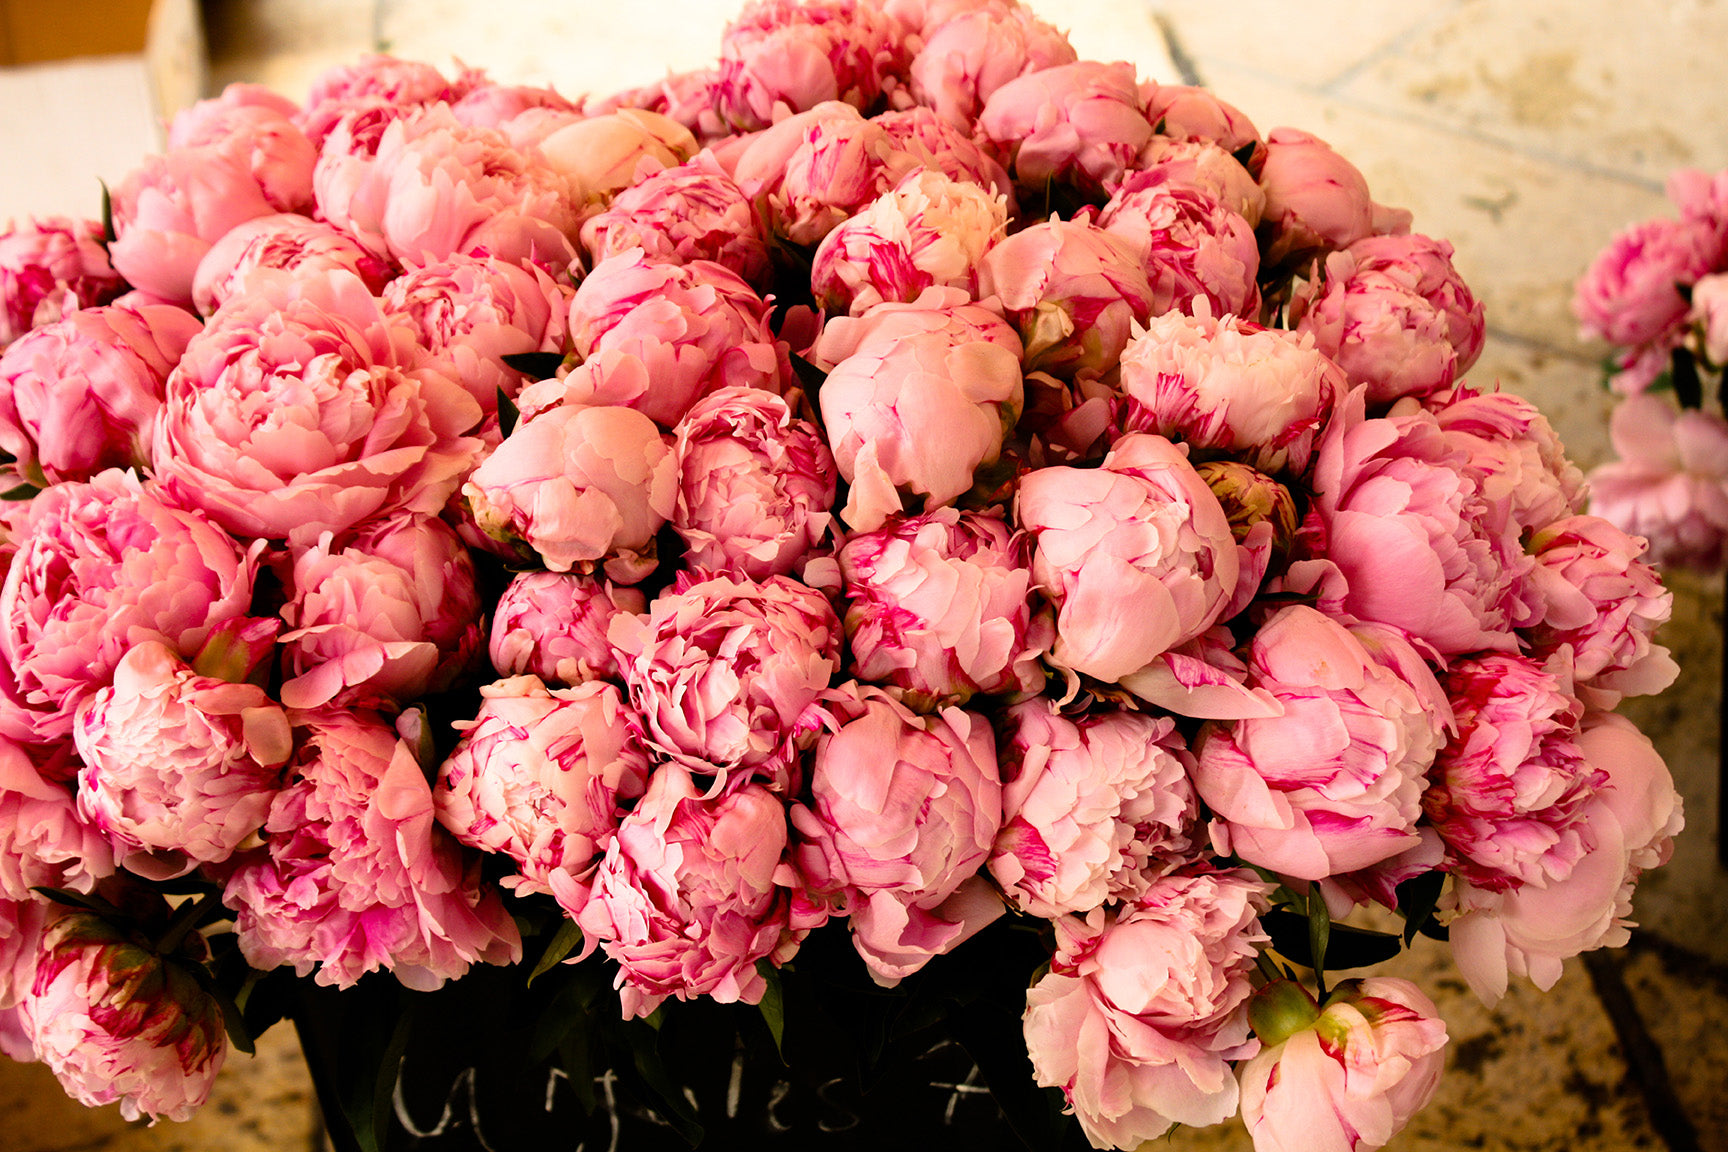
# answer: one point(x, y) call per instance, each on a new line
point(968, 56)
point(44, 841)
point(1094, 807)
point(258, 129)
point(949, 311)
point(901, 815)
point(1315, 199)
point(1352, 1079)
point(1508, 790)
point(543, 776)
point(179, 768)
point(722, 670)
point(756, 485)
point(600, 155)
point(22, 923)
point(694, 211)
point(1514, 453)
point(100, 567)
point(1708, 316)
point(383, 616)
point(929, 229)
point(1073, 290)
point(1136, 555)
point(303, 408)
point(939, 608)
point(48, 268)
point(694, 891)
point(355, 875)
point(1204, 167)
point(281, 242)
point(579, 487)
point(657, 336)
point(82, 394)
point(1628, 826)
point(489, 105)
point(377, 80)
point(472, 311)
point(783, 56)
point(1333, 784)
point(1185, 112)
point(115, 1022)
point(1146, 1005)
point(1394, 314)
point(1190, 245)
point(880, 404)
point(691, 98)
point(1632, 295)
point(1078, 124)
point(1262, 395)
point(553, 625)
point(1670, 484)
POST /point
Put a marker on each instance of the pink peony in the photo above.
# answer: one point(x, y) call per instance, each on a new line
point(179, 768)
point(1190, 245)
point(355, 875)
point(22, 923)
point(1709, 317)
point(101, 566)
point(543, 776)
point(303, 408)
point(1136, 555)
point(1514, 453)
point(601, 154)
point(756, 485)
point(1334, 783)
point(1206, 168)
point(281, 242)
point(1315, 199)
point(1228, 385)
point(722, 670)
point(939, 608)
point(1078, 124)
point(967, 57)
point(489, 105)
point(259, 129)
point(1094, 807)
point(690, 98)
point(50, 267)
point(377, 80)
point(694, 892)
point(1145, 1005)
point(1184, 112)
point(781, 56)
point(44, 842)
point(579, 487)
point(694, 211)
point(657, 337)
point(1394, 314)
point(1628, 826)
point(388, 614)
point(902, 812)
point(115, 1022)
point(949, 311)
point(1351, 1079)
point(1073, 290)
point(1631, 295)
point(553, 625)
point(82, 394)
point(1670, 484)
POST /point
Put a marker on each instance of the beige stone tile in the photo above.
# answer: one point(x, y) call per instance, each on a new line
point(1684, 1004)
point(1113, 30)
point(1616, 86)
point(285, 44)
point(1309, 44)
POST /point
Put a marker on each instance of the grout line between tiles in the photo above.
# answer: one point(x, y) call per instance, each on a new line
point(1174, 48)
point(1643, 1056)
point(1391, 45)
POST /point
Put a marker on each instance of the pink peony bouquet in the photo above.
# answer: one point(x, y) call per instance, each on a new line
point(903, 539)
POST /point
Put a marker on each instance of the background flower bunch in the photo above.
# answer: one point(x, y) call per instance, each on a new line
point(903, 485)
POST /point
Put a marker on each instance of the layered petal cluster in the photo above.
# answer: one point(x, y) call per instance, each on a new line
point(1316, 200)
point(781, 56)
point(44, 841)
point(1190, 244)
point(1670, 484)
point(283, 242)
point(600, 154)
point(1078, 124)
point(554, 624)
point(49, 267)
point(694, 211)
point(972, 53)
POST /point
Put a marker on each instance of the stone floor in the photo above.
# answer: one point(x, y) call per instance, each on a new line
point(1527, 134)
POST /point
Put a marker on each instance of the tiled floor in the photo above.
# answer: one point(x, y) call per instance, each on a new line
point(1527, 134)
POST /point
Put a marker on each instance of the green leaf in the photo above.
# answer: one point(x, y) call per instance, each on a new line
point(539, 365)
point(1417, 897)
point(21, 492)
point(675, 1110)
point(773, 1006)
point(563, 943)
point(233, 1016)
point(108, 236)
point(809, 376)
point(1346, 947)
point(72, 899)
point(1319, 934)
point(1688, 388)
point(508, 414)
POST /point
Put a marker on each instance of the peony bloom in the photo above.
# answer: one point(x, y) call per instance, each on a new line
point(1078, 124)
point(1136, 555)
point(939, 608)
point(902, 812)
point(51, 267)
point(543, 776)
point(1394, 314)
point(722, 670)
point(22, 923)
point(577, 487)
point(1670, 484)
point(1190, 245)
point(756, 485)
point(1631, 295)
point(1145, 1006)
point(553, 625)
point(1351, 1078)
point(355, 875)
point(1709, 317)
point(179, 768)
point(44, 842)
point(1204, 167)
point(968, 56)
point(1315, 199)
point(694, 892)
point(657, 337)
point(489, 105)
point(1334, 783)
point(389, 614)
point(1629, 826)
point(689, 98)
point(1073, 290)
point(257, 128)
point(374, 81)
point(1228, 385)
point(1183, 112)
point(280, 243)
point(949, 311)
point(781, 56)
point(694, 211)
point(116, 1022)
point(1515, 455)
point(82, 394)
point(100, 566)
point(303, 408)
point(1094, 807)
point(928, 229)
point(601, 154)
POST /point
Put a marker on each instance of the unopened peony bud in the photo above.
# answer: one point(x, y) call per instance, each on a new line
point(1249, 497)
